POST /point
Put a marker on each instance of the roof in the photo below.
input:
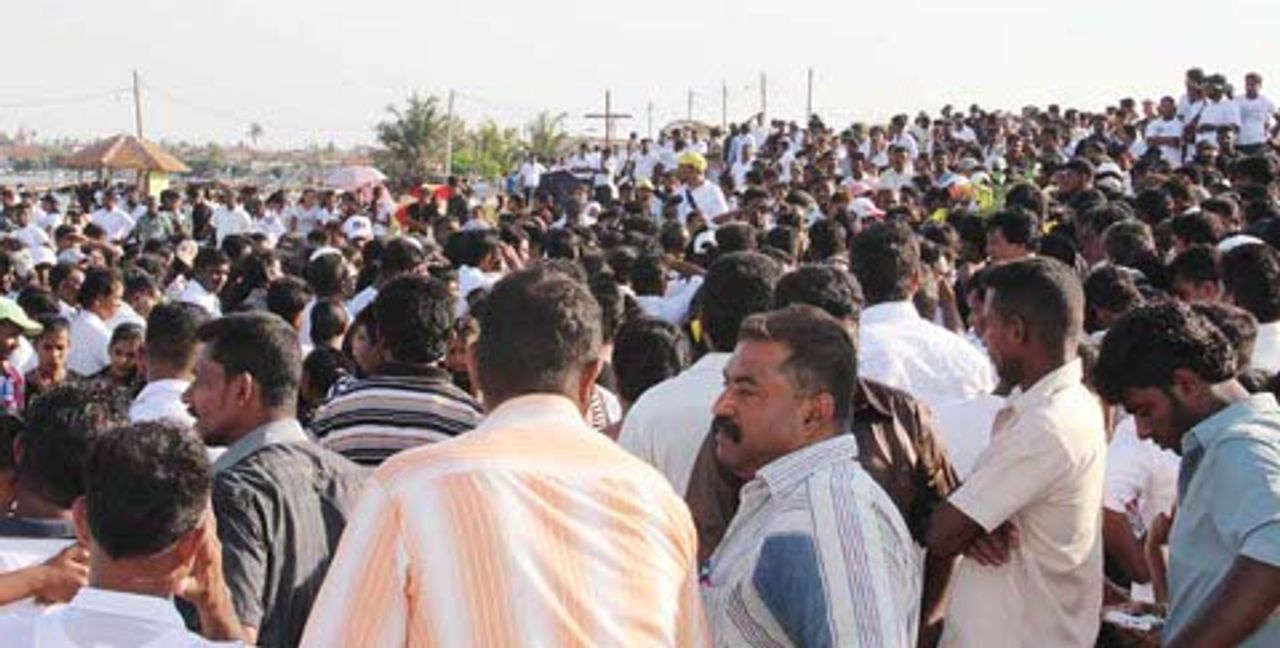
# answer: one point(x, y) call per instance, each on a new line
point(126, 152)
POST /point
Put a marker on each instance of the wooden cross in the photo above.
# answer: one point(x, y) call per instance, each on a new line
point(608, 116)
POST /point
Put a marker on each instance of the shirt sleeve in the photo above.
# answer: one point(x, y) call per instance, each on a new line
point(244, 550)
point(1126, 476)
point(1012, 473)
point(1246, 490)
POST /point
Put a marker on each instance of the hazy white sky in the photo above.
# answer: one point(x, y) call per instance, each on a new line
point(322, 70)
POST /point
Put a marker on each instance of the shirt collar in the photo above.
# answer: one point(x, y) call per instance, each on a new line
point(1068, 375)
point(1207, 431)
point(785, 472)
point(545, 411)
point(281, 431)
point(164, 386)
point(895, 311)
point(151, 609)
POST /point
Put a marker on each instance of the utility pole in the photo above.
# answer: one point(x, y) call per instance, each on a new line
point(137, 104)
point(724, 106)
point(650, 111)
point(608, 116)
point(764, 98)
point(808, 109)
point(689, 115)
point(448, 139)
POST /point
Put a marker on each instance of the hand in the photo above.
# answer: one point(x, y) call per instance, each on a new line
point(63, 575)
point(995, 548)
point(1158, 534)
point(205, 582)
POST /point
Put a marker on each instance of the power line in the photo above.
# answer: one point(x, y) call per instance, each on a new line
point(114, 93)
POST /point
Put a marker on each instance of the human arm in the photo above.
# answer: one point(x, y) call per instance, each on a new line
point(1122, 546)
point(243, 538)
point(1247, 596)
point(56, 580)
point(1153, 548)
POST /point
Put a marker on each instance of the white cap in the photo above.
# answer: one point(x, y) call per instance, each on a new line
point(1239, 240)
point(358, 227)
point(323, 250)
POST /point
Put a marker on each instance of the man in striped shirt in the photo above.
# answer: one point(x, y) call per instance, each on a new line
point(533, 529)
point(817, 554)
point(409, 400)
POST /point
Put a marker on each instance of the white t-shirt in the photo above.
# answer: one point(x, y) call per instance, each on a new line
point(1188, 109)
point(32, 236)
point(965, 429)
point(644, 164)
point(162, 400)
point(1266, 349)
point(90, 342)
point(1218, 113)
point(709, 200)
point(231, 221)
point(194, 293)
point(1255, 119)
point(116, 223)
point(1167, 128)
point(1142, 481)
point(531, 174)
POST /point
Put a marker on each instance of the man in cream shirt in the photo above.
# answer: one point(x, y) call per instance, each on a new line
point(1028, 516)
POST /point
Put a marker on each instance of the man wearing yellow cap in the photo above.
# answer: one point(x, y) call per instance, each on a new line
point(698, 193)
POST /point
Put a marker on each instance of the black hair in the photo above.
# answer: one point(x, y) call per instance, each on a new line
point(737, 285)
point(38, 302)
point(209, 257)
point(822, 356)
point(1195, 228)
point(99, 283)
point(1197, 263)
point(1251, 278)
point(1017, 226)
point(647, 351)
point(287, 297)
point(613, 307)
point(261, 345)
point(735, 237)
point(62, 425)
point(328, 320)
point(1044, 293)
point(784, 238)
point(413, 319)
point(828, 287)
point(562, 243)
point(1112, 289)
point(147, 485)
point(126, 332)
point(171, 334)
point(1238, 324)
point(885, 258)
point(11, 427)
point(326, 274)
point(647, 275)
point(1143, 348)
point(1029, 197)
point(827, 239)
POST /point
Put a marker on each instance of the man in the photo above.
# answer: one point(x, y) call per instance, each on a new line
point(529, 530)
point(1011, 235)
point(400, 256)
point(646, 159)
point(743, 165)
point(530, 175)
point(171, 348)
point(113, 220)
point(1251, 280)
point(281, 500)
point(900, 447)
point(896, 346)
point(1176, 373)
point(1040, 479)
point(1257, 116)
point(1194, 275)
point(667, 425)
point(31, 235)
point(212, 267)
point(1167, 132)
point(230, 218)
point(99, 298)
point(145, 520)
point(899, 174)
point(697, 193)
point(1220, 113)
point(409, 400)
point(787, 572)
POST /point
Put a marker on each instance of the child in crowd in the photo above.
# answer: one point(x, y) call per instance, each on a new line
point(126, 370)
point(51, 352)
point(328, 324)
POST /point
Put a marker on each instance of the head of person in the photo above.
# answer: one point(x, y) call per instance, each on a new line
point(539, 334)
point(826, 287)
point(287, 297)
point(1240, 327)
point(141, 292)
point(126, 354)
point(101, 292)
point(171, 343)
point(145, 510)
point(211, 269)
point(65, 280)
point(1251, 280)
point(62, 425)
point(11, 426)
point(1011, 234)
point(401, 256)
point(53, 343)
point(647, 351)
point(1193, 274)
point(1033, 317)
point(412, 321)
point(329, 274)
point(1168, 366)
point(885, 258)
point(692, 168)
point(1109, 292)
point(736, 286)
point(789, 385)
point(246, 375)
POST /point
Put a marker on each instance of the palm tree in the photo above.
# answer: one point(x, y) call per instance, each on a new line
point(547, 137)
point(255, 133)
point(412, 139)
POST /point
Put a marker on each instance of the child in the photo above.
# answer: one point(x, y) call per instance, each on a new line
point(14, 324)
point(125, 370)
point(51, 351)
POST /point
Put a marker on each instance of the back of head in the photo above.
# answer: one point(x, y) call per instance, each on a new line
point(1017, 226)
point(171, 335)
point(99, 283)
point(885, 258)
point(539, 330)
point(647, 351)
point(326, 274)
point(1129, 243)
point(287, 297)
point(1111, 289)
point(1045, 294)
point(1251, 280)
point(1145, 346)
point(826, 240)
point(1238, 324)
point(827, 287)
point(328, 321)
point(1196, 263)
point(413, 319)
point(822, 356)
point(260, 345)
point(62, 425)
point(147, 485)
point(737, 285)
point(735, 237)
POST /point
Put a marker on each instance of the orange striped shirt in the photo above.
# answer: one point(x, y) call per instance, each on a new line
point(533, 529)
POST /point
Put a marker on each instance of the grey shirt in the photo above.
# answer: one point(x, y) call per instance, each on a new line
point(281, 502)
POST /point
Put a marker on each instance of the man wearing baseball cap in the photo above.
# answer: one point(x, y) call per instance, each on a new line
point(13, 323)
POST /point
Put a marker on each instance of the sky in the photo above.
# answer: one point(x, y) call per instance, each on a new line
point(318, 71)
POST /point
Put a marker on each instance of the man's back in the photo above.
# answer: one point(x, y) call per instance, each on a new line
point(531, 530)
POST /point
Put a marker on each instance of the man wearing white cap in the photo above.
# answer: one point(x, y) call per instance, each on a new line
point(698, 193)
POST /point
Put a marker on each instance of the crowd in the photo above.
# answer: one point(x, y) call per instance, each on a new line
point(974, 379)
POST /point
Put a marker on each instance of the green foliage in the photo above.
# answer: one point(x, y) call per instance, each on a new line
point(488, 152)
point(547, 137)
point(413, 140)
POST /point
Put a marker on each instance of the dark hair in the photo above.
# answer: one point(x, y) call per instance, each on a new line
point(785, 238)
point(324, 367)
point(735, 237)
point(126, 332)
point(613, 305)
point(401, 255)
point(137, 282)
point(1129, 243)
point(1251, 278)
point(287, 297)
point(737, 285)
point(413, 319)
point(1017, 226)
point(827, 238)
point(885, 259)
point(1027, 196)
point(50, 324)
point(1196, 263)
point(1238, 324)
point(326, 274)
point(62, 424)
point(1195, 228)
point(171, 333)
point(647, 275)
point(328, 320)
point(261, 345)
point(562, 243)
point(822, 354)
point(1113, 289)
point(38, 302)
point(147, 485)
point(99, 283)
point(827, 287)
point(1044, 293)
point(538, 330)
point(209, 257)
point(647, 351)
point(1143, 348)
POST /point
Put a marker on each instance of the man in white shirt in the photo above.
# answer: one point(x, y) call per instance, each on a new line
point(1166, 132)
point(1251, 280)
point(644, 161)
point(899, 174)
point(99, 299)
point(1257, 115)
point(150, 535)
point(530, 175)
point(231, 218)
point(171, 348)
point(898, 347)
point(26, 232)
point(1040, 479)
point(744, 164)
point(113, 220)
point(1219, 114)
point(49, 216)
point(698, 193)
point(667, 425)
point(210, 274)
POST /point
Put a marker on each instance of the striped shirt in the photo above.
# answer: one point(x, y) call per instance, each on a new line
point(403, 407)
point(817, 555)
point(532, 530)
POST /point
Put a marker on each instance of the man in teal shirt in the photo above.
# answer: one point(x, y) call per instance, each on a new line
point(1175, 373)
